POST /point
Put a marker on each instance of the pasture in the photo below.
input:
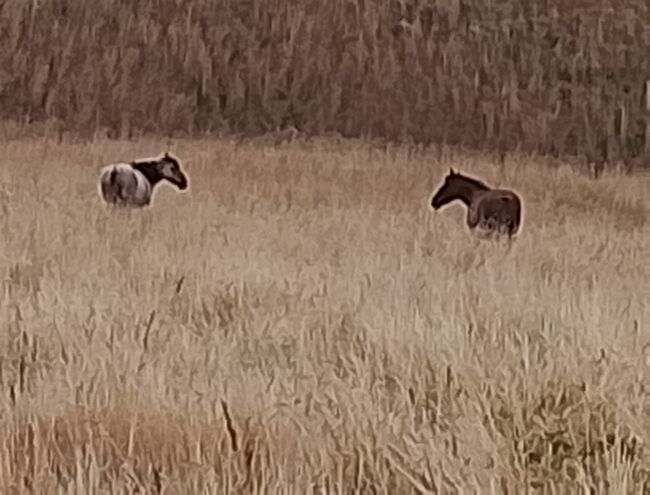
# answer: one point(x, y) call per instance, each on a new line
point(300, 321)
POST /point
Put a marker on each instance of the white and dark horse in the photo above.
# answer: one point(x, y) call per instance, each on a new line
point(132, 184)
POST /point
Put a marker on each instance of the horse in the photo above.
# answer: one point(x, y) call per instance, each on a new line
point(491, 210)
point(132, 184)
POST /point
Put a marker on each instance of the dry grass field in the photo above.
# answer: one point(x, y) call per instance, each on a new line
point(300, 321)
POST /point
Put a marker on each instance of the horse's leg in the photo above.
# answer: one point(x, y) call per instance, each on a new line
point(488, 229)
point(509, 229)
point(472, 221)
point(493, 226)
point(513, 227)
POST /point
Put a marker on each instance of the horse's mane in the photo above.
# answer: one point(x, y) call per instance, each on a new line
point(154, 160)
point(147, 161)
point(475, 182)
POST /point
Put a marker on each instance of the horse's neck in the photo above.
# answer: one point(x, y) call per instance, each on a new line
point(469, 190)
point(149, 170)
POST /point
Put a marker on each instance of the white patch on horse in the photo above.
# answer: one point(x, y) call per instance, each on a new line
point(122, 185)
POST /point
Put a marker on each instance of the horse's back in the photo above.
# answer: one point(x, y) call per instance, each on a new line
point(500, 198)
point(504, 195)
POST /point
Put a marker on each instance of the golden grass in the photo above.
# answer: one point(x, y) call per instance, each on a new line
point(301, 322)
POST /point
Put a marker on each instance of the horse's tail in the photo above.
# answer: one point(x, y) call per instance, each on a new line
point(112, 178)
point(516, 215)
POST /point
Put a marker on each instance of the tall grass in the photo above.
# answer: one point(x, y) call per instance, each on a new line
point(552, 77)
point(301, 322)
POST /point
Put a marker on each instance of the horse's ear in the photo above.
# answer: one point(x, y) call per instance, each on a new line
point(167, 154)
point(451, 171)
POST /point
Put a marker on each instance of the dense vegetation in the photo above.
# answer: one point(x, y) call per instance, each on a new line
point(547, 76)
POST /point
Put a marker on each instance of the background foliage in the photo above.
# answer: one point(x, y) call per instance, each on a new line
point(547, 76)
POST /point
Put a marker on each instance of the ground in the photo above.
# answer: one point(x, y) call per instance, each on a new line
point(300, 319)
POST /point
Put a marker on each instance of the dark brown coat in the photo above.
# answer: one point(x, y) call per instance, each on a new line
point(492, 210)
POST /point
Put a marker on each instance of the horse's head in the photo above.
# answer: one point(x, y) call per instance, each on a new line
point(170, 169)
point(449, 191)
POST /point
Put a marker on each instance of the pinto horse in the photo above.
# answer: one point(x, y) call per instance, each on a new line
point(132, 184)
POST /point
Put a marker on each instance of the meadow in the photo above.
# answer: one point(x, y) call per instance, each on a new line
point(300, 321)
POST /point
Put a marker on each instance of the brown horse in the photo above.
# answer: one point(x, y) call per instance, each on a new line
point(492, 210)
